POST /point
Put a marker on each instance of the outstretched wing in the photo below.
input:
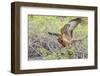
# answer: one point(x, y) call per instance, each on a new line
point(56, 34)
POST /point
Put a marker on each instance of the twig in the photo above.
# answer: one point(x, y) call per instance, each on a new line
point(73, 40)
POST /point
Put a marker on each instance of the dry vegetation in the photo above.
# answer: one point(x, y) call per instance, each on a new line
point(43, 46)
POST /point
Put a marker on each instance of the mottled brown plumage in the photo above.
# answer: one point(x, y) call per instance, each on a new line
point(66, 35)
